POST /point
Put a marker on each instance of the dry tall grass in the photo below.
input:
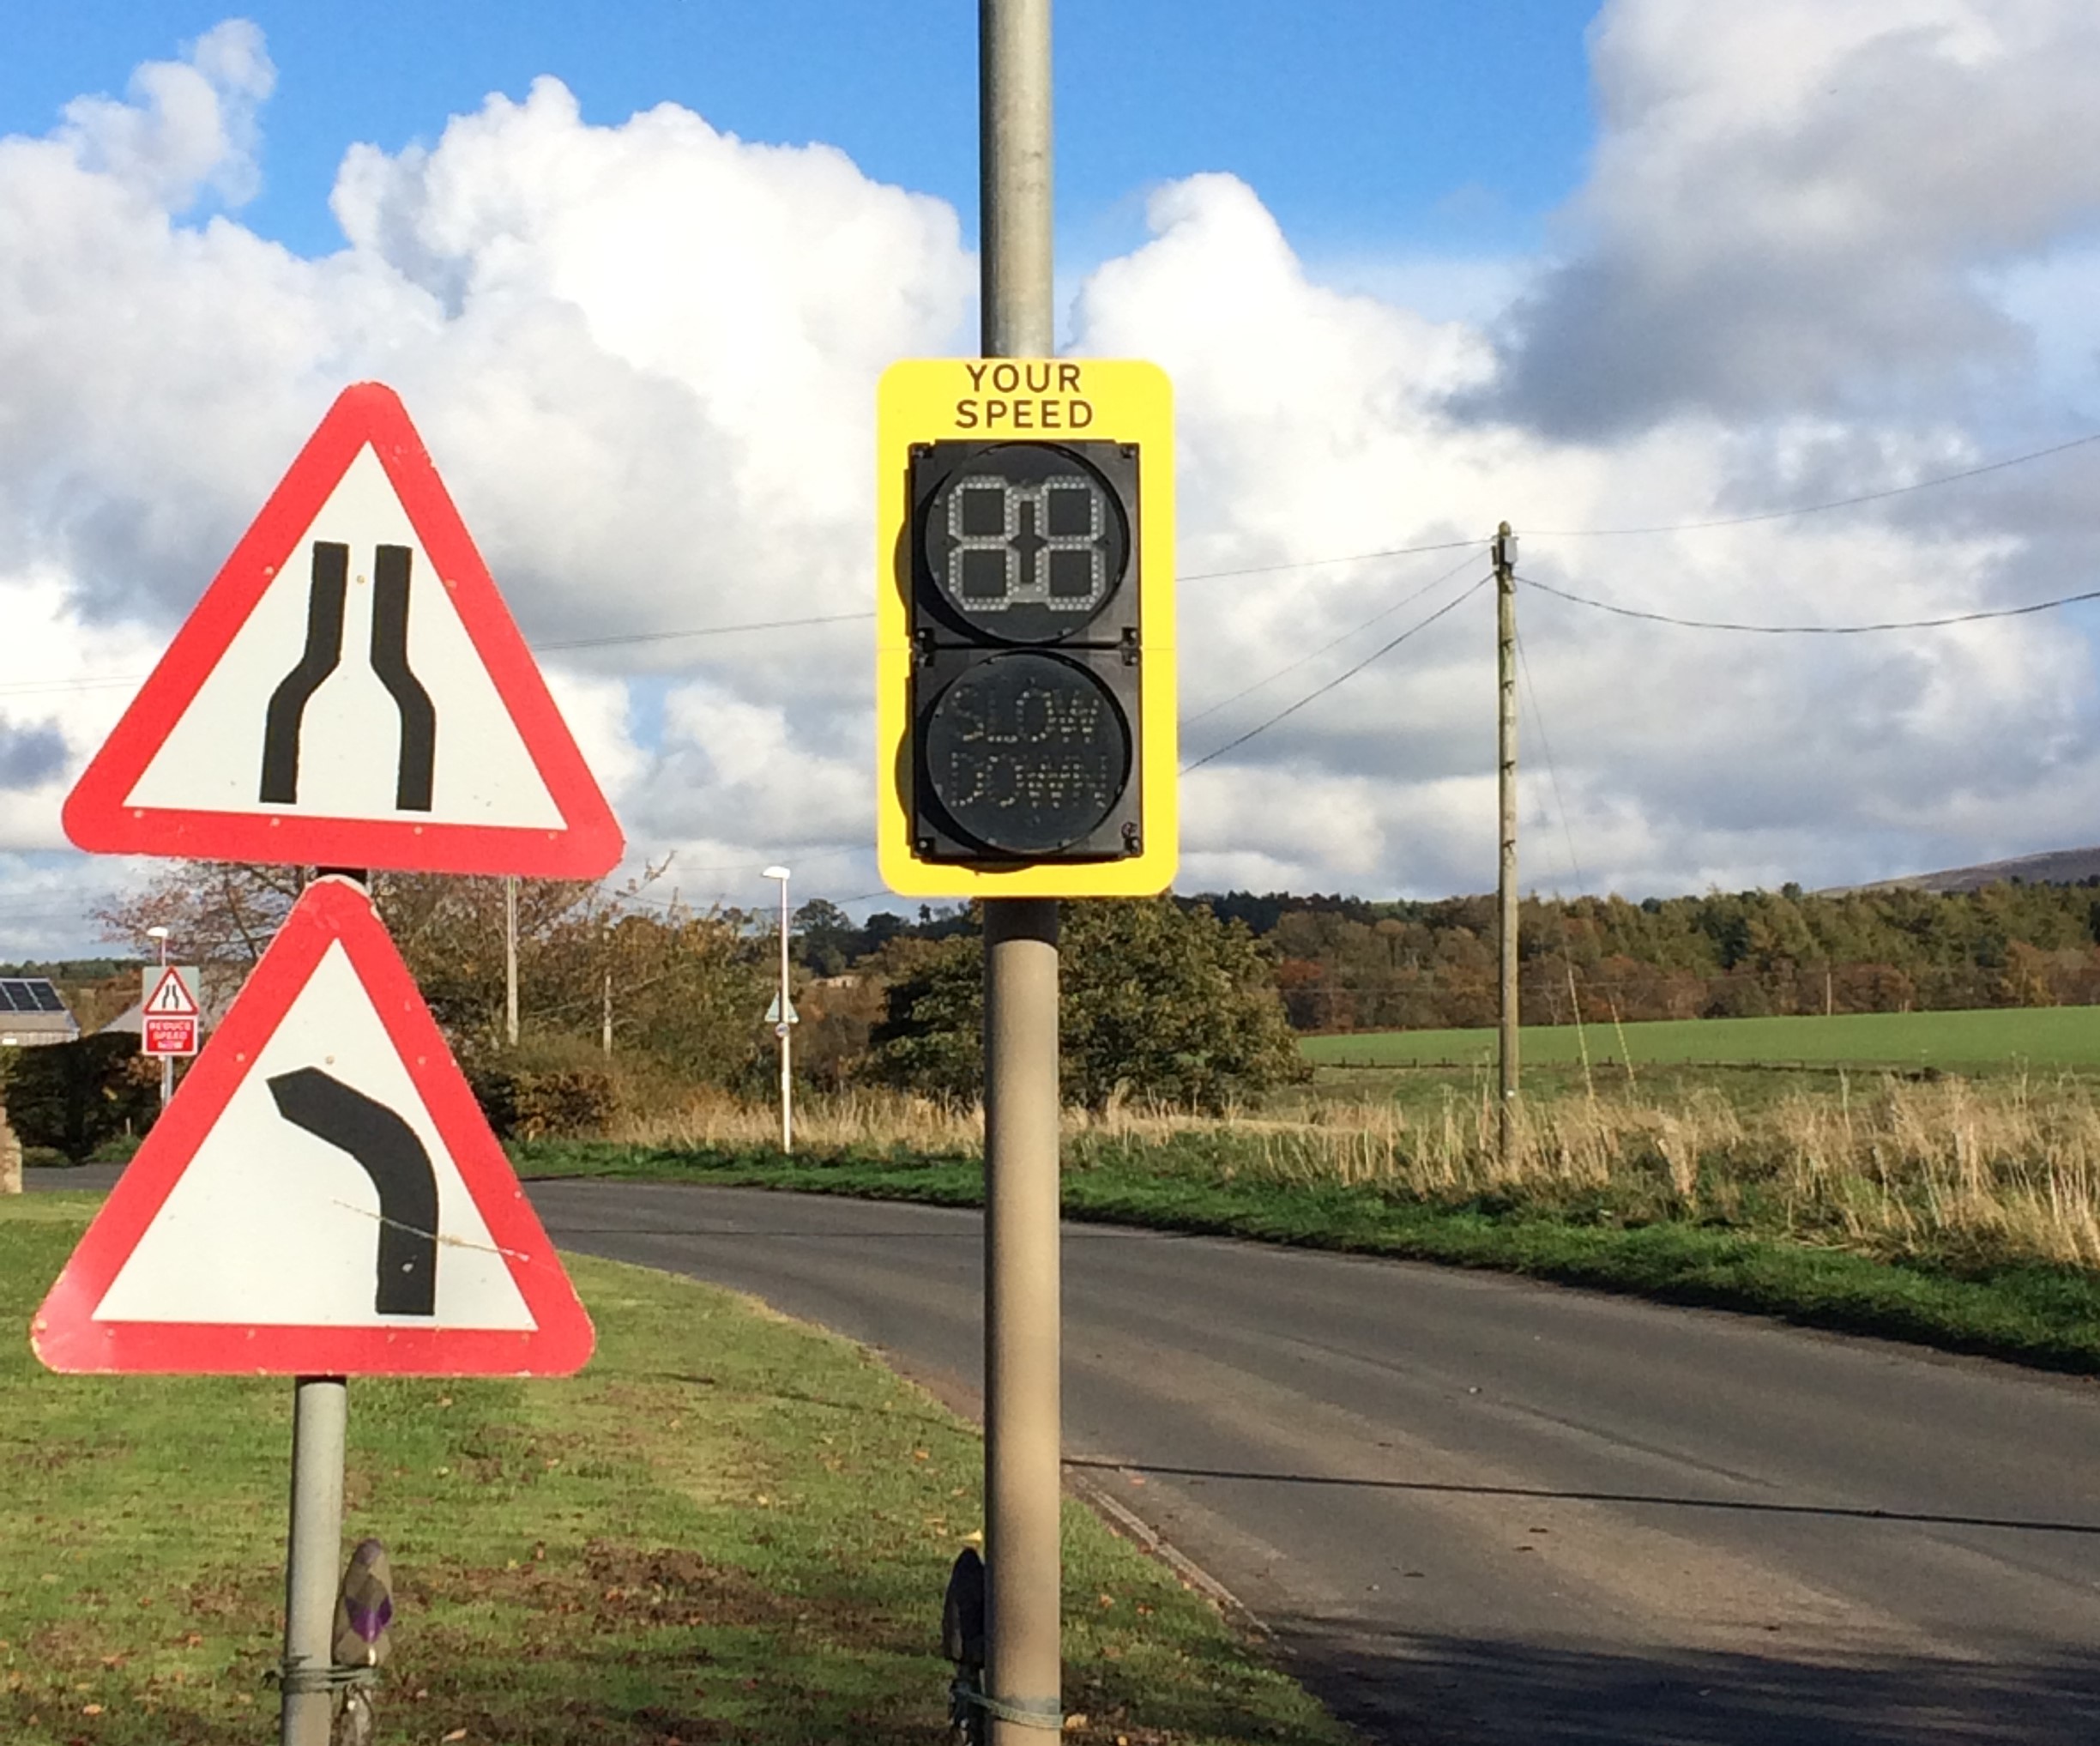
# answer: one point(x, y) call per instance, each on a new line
point(1896, 1166)
point(879, 1120)
point(1892, 1167)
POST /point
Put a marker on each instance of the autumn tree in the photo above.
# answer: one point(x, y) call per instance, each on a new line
point(685, 986)
point(1157, 1001)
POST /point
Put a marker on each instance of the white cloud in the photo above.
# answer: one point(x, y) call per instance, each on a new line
point(644, 357)
point(1791, 204)
point(189, 128)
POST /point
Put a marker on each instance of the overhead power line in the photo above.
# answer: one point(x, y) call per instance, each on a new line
point(703, 630)
point(2049, 605)
point(29, 687)
point(1817, 509)
point(1383, 648)
point(1348, 558)
point(34, 687)
point(1552, 770)
point(1384, 613)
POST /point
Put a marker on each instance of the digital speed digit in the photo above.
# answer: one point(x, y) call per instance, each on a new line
point(1026, 542)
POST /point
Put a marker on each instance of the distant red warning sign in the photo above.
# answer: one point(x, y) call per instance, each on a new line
point(324, 1198)
point(351, 690)
point(171, 1017)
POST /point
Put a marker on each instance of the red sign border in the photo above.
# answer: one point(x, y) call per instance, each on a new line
point(97, 819)
point(64, 1333)
point(160, 981)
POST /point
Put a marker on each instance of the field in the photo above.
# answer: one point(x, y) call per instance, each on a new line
point(729, 1528)
point(1971, 1042)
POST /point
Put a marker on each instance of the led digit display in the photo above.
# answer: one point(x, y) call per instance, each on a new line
point(1026, 754)
point(1025, 543)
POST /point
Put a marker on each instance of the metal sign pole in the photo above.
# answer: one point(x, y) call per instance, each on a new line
point(787, 1033)
point(320, 1420)
point(783, 1017)
point(313, 1553)
point(167, 1062)
point(1024, 1480)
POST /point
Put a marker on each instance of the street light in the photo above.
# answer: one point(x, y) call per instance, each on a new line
point(167, 1061)
point(783, 1023)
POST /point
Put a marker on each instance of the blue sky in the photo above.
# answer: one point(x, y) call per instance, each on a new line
point(1371, 127)
point(1413, 268)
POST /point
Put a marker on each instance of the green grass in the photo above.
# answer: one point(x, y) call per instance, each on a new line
point(730, 1528)
point(2016, 1037)
point(2027, 1312)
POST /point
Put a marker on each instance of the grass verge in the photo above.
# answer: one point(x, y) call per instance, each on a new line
point(729, 1528)
point(2031, 1313)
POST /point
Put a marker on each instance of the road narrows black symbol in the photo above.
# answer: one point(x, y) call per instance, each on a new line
point(389, 660)
point(288, 703)
point(400, 1168)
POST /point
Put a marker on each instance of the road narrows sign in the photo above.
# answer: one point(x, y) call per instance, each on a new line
point(323, 1199)
point(351, 690)
point(170, 995)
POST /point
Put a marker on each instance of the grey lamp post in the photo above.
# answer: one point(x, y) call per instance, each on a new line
point(785, 1025)
point(167, 1061)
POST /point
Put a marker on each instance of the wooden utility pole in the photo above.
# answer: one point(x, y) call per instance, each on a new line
point(1505, 881)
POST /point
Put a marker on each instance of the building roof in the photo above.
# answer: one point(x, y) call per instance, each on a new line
point(31, 1010)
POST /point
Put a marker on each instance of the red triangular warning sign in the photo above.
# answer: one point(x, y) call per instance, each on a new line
point(323, 1197)
point(351, 691)
point(171, 997)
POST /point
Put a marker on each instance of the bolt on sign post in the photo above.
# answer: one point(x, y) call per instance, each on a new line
point(1025, 737)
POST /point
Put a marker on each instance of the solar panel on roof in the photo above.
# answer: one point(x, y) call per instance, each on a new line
point(29, 994)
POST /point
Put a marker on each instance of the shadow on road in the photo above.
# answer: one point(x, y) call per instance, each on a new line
point(1428, 1691)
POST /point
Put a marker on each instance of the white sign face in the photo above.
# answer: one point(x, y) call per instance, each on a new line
point(352, 690)
point(272, 1223)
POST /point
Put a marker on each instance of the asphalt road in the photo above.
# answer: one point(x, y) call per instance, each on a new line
point(1477, 1510)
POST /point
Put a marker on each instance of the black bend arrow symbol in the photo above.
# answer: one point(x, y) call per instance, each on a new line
point(286, 713)
point(400, 1169)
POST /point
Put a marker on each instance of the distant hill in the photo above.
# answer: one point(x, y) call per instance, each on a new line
point(2057, 867)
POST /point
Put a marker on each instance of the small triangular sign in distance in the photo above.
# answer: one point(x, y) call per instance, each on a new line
point(323, 1197)
point(171, 997)
point(351, 690)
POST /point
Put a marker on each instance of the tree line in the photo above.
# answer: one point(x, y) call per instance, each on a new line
point(1346, 964)
point(630, 999)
